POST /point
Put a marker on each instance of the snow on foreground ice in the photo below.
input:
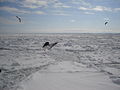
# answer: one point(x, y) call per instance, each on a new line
point(78, 61)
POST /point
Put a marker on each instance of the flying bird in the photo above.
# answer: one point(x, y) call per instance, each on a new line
point(48, 46)
point(18, 18)
point(106, 23)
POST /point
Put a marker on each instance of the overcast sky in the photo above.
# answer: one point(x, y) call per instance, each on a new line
point(60, 16)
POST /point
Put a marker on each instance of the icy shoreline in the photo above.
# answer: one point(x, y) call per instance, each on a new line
point(67, 75)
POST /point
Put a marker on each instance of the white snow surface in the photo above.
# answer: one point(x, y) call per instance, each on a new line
point(77, 62)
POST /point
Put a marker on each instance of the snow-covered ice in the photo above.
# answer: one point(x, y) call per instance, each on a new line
point(78, 61)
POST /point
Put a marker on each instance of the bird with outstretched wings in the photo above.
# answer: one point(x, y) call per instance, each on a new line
point(48, 46)
point(18, 18)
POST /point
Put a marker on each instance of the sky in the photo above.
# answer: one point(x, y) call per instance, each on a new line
point(60, 16)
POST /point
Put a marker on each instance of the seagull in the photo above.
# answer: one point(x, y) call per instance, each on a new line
point(18, 18)
point(48, 46)
point(106, 23)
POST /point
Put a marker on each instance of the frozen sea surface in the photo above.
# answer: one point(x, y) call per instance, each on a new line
point(78, 61)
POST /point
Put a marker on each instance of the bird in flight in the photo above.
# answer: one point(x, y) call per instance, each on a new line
point(48, 46)
point(18, 18)
point(106, 23)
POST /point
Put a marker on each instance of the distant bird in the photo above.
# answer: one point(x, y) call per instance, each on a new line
point(106, 23)
point(49, 46)
point(18, 18)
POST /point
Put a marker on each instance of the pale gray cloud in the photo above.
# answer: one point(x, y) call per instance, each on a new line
point(39, 12)
point(19, 11)
point(83, 8)
point(97, 8)
point(54, 4)
point(60, 12)
point(34, 3)
point(90, 13)
point(13, 10)
point(72, 20)
point(60, 5)
point(81, 2)
point(43, 4)
point(117, 9)
point(101, 8)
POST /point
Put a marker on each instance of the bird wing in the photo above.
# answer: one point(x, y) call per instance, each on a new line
point(18, 18)
point(46, 44)
point(53, 44)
